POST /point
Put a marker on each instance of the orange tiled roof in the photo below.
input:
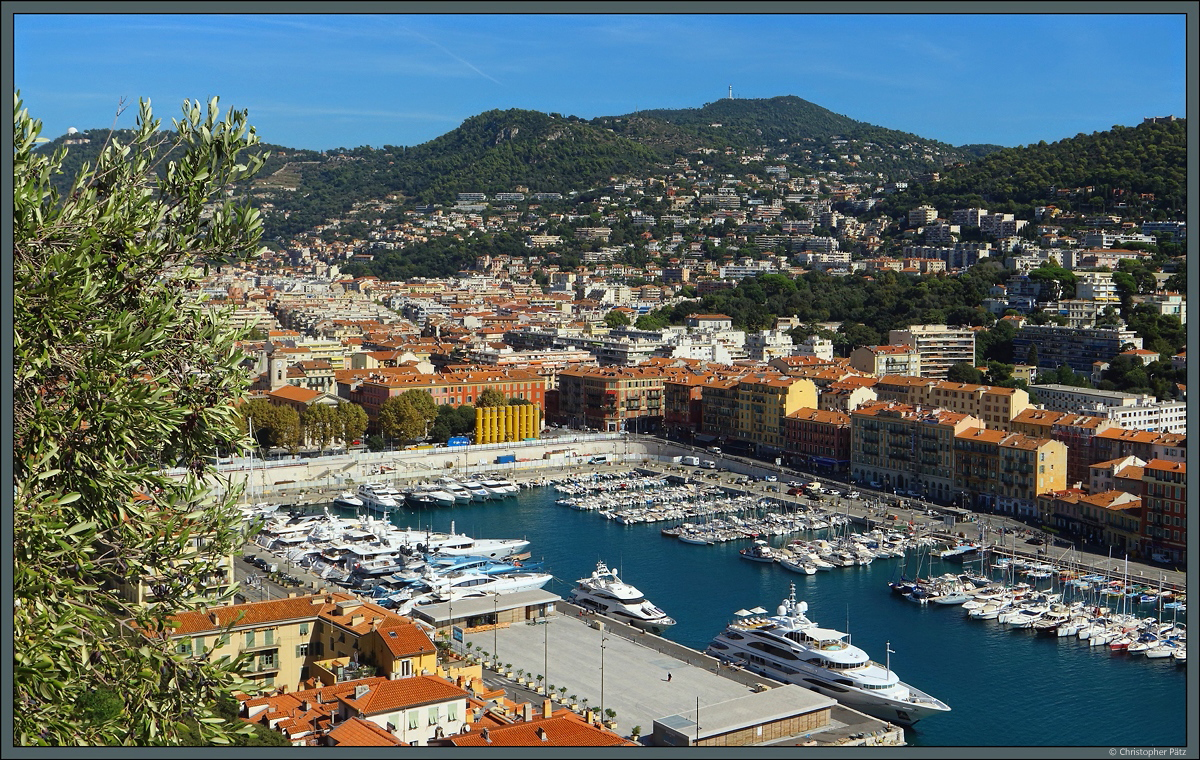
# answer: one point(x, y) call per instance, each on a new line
point(357, 732)
point(1166, 465)
point(822, 416)
point(559, 730)
point(295, 393)
point(983, 434)
point(404, 693)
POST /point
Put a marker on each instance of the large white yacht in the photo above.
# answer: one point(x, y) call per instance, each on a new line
point(605, 593)
point(791, 648)
point(455, 586)
point(380, 496)
point(499, 488)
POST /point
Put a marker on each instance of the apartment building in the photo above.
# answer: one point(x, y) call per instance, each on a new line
point(765, 401)
point(818, 439)
point(1164, 510)
point(846, 395)
point(1104, 476)
point(319, 638)
point(907, 447)
point(921, 215)
point(1097, 286)
point(1076, 431)
point(546, 363)
point(939, 346)
point(1164, 416)
point(1004, 472)
point(1111, 517)
point(612, 399)
point(367, 712)
point(1075, 347)
point(371, 388)
point(719, 408)
point(994, 405)
point(1116, 442)
point(1069, 398)
point(886, 360)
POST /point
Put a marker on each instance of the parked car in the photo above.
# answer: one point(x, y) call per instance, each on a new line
point(875, 485)
point(853, 495)
point(795, 491)
point(1036, 541)
point(772, 479)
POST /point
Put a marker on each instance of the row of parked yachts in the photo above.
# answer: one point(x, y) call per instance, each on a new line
point(445, 492)
point(1020, 606)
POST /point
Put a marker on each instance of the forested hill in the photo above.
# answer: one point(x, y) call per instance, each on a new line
point(498, 150)
point(1104, 171)
point(787, 120)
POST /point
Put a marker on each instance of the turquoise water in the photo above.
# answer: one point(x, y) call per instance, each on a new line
point(1005, 688)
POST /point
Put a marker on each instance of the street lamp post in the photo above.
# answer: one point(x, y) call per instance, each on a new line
point(603, 639)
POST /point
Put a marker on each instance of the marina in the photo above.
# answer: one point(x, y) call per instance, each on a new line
point(1100, 694)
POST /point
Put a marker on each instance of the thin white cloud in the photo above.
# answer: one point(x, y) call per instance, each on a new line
point(458, 58)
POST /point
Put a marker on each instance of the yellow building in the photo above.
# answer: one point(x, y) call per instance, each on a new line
point(318, 638)
point(333, 351)
point(994, 405)
point(907, 448)
point(765, 402)
point(1005, 472)
point(515, 422)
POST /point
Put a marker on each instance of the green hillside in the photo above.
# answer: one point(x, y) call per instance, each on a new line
point(1114, 171)
point(787, 120)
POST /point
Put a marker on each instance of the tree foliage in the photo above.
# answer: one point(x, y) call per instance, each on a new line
point(117, 375)
point(273, 425)
point(321, 425)
point(452, 421)
point(963, 372)
point(1143, 167)
point(491, 397)
point(615, 319)
point(353, 421)
point(400, 420)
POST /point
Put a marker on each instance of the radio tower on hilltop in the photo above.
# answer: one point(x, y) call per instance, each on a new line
point(731, 92)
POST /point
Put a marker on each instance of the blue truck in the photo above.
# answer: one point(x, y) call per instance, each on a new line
point(506, 458)
point(458, 440)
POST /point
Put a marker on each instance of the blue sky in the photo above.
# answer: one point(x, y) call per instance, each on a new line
point(324, 81)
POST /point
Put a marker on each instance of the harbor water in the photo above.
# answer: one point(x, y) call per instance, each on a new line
point(1005, 687)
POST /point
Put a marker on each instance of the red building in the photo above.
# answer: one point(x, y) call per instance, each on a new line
point(1164, 510)
point(819, 438)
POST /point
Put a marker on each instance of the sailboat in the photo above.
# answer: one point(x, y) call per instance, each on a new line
point(253, 510)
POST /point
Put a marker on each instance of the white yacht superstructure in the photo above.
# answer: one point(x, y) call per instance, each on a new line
point(380, 496)
point(605, 593)
point(791, 648)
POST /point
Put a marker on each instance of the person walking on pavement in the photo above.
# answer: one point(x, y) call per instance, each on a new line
point(668, 678)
